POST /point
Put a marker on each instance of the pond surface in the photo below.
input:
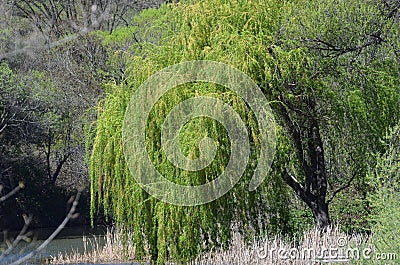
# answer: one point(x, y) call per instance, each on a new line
point(68, 241)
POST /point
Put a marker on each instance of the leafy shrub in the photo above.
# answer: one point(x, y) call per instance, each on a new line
point(385, 198)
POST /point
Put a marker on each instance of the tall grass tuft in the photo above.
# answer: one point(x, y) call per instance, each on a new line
point(314, 247)
point(117, 247)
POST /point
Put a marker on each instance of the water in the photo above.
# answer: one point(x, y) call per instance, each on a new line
point(69, 240)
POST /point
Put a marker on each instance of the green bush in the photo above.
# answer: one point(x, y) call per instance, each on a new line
point(384, 199)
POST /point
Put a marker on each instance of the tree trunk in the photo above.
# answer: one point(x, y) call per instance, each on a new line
point(303, 127)
point(315, 201)
point(321, 214)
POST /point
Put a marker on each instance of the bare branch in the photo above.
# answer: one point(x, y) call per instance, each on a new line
point(22, 235)
point(71, 214)
point(11, 193)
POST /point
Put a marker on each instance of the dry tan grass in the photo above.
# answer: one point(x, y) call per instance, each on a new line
point(313, 248)
point(113, 250)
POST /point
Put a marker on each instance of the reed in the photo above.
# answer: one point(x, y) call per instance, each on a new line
point(313, 247)
point(114, 246)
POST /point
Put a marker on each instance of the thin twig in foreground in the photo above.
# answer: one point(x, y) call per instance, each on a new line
point(71, 214)
point(11, 193)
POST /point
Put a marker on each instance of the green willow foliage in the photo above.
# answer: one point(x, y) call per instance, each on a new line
point(354, 106)
point(163, 231)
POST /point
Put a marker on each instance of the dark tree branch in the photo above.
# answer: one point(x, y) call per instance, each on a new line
point(295, 134)
point(59, 167)
point(306, 196)
point(347, 185)
point(322, 45)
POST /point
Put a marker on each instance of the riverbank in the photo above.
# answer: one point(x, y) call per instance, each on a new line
point(313, 246)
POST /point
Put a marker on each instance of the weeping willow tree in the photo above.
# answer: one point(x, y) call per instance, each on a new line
point(312, 94)
point(164, 231)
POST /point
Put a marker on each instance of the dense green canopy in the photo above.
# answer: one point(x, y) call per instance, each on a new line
point(330, 89)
